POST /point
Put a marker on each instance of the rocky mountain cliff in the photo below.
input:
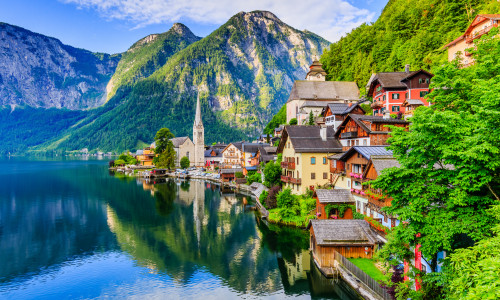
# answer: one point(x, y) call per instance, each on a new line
point(40, 71)
point(243, 72)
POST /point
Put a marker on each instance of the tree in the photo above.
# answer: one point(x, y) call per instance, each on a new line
point(185, 162)
point(272, 173)
point(288, 204)
point(311, 118)
point(293, 121)
point(252, 177)
point(450, 164)
point(162, 138)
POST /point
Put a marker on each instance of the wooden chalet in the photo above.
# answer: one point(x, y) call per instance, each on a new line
point(410, 106)
point(335, 198)
point(351, 238)
point(228, 174)
point(145, 156)
point(335, 113)
point(389, 89)
point(361, 130)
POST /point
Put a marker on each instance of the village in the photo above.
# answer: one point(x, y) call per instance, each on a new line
point(322, 161)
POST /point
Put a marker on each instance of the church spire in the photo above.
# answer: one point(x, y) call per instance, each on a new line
point(197, 118)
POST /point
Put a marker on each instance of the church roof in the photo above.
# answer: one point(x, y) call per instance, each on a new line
point(324, 90)
point(177, 141)
point(197, 118)
point(316, 68)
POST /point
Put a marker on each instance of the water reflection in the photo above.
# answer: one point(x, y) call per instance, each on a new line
point(71, 229)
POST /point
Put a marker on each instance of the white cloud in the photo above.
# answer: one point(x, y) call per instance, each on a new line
point(328, 18)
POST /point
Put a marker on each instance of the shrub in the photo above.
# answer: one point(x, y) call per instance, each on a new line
point(111, 163)
point(185, 162)
point(262, 198)
point(119, 162)
point(253, 177)
point(271, 200)
point(293, 121)
point(289, 204)
point(239, 175)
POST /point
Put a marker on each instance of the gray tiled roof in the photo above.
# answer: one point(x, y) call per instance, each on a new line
point(367, 151)
point(336, 156)
point(177, 141)
point(334, 196)
point(414, 102)
point(341, 108)
point(324, 90)
point(341, 232)
point(314, 104)
point(307, 139)
point(230, 170)
point(384, 162)
point(360, 119)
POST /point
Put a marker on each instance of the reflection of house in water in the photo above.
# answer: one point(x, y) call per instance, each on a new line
point(299, 267)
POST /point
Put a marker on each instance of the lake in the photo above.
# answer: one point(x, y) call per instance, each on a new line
point(71, 229)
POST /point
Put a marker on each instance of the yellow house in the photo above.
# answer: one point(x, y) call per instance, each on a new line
point(481, 24)
point(145, 156)
point(305, 151)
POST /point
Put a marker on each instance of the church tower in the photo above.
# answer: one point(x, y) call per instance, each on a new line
point(198, 137)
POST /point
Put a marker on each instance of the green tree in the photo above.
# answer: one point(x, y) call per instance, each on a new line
point(162, 139)
point(185, 162)
point(311, 118)
point(252, 177)
point(288, 204)
point(450, 164)
point(293, 121)
point(272, 173)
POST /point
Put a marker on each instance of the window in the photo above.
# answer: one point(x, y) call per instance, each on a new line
point(357, 142)
point(324, 160)
point(423, 93)
point(325, 175)
point(420, 80)
point(364, 142)
point(375, 112)
point(379, 88)
point(313, 175)
point(313, 160)
point(427, 80)
point(334, 163)
point(395, 108)
point(298, 175)
point(407, 96)
point(395, 96)
point(383, 98)
point(297, 160)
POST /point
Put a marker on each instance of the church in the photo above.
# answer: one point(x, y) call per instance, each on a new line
point(195, 149)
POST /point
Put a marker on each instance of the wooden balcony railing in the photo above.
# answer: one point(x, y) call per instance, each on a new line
point(290, 165)
point(285, 178)
point(296, 180)
point(377, 104)
point(349, 134)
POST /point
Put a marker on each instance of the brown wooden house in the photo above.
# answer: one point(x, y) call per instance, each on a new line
point(338, 201)
point(351, 238)
point(361, 130)
point(335, 113)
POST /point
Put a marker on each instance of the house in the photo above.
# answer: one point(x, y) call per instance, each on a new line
point(266, 154)
point(305, 150)
point(314, 93)
point(361, 130)
point(481, 25)
point(338, 178)
point(228, 174)
point(183, 146)
point(350, 238)
point(376, 198)
point(356, 161)
point(410, 105)
point(145, 156)
point(239, 154)
point(337, 201)
point(213, 157)
point(389, 89)
point(335, 113)
point(278, 130)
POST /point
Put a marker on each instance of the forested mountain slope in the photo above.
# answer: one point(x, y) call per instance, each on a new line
point(407, 32)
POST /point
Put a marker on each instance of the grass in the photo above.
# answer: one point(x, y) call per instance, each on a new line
point(368, 266)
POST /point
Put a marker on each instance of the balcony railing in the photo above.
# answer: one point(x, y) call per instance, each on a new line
point(377, 104)
point(285, 178)
point(290, 165)
point(356, 175)
point(350, 134)
point(296, 180)
point(230, 155)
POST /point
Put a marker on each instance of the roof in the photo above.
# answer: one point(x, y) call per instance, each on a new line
point(307, 139)
point(139, 152)
point(393, 80)
point(336, 156)
point(251, 168)
point(179, 141)
point(340, 232)
point(360, 119)
point(324, 90)
point(342, 108)
point(381, 163)
point(316, 68)
point(413, 102)
point(230, 170)
point(366, 151)
point(334, 196)
point(472, 25)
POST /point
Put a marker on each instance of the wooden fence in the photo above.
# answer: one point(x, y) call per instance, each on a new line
point(362, 276)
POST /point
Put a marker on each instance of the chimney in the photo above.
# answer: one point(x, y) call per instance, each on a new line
point(322, 133)
point(407, 69)
point(349, 104)
point(387, 115)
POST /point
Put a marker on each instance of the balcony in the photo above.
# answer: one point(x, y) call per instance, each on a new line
point(350, 134)
point(231, 155)
point(290, 165)
point(377, 104)
point(285, 178)
point(296, 180)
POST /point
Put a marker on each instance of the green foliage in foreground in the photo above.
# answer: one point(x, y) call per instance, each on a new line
point(272, 173)
point(127, 159)
point(449, 179)
point(407, 32)
point(293, 209)
point(252, 177)
point(185, 162)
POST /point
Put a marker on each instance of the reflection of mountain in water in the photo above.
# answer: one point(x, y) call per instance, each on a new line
point(202, 230)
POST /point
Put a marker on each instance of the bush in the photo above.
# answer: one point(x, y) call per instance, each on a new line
point(253, 177)
point(272, 173)
point(239, 175)
point(271, 201)
point(111, 163)
point(119, 162)
point(185, 162)
point(293, 121)
point(262, 198)
point(288, 204)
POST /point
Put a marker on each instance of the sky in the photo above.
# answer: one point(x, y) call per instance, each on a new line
point(112, 26)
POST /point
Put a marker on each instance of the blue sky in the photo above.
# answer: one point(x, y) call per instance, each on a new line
point(112, 26)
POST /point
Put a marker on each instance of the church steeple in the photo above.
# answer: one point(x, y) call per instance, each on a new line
point(197, 118)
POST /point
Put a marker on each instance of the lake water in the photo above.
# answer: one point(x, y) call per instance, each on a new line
point(71, 229)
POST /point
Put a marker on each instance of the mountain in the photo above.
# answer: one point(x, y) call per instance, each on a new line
point(407, 32)
point(40, 71)
point(243, 73)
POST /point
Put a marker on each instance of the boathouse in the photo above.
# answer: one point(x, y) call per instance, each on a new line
point(351, 238)
point(334, 204)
